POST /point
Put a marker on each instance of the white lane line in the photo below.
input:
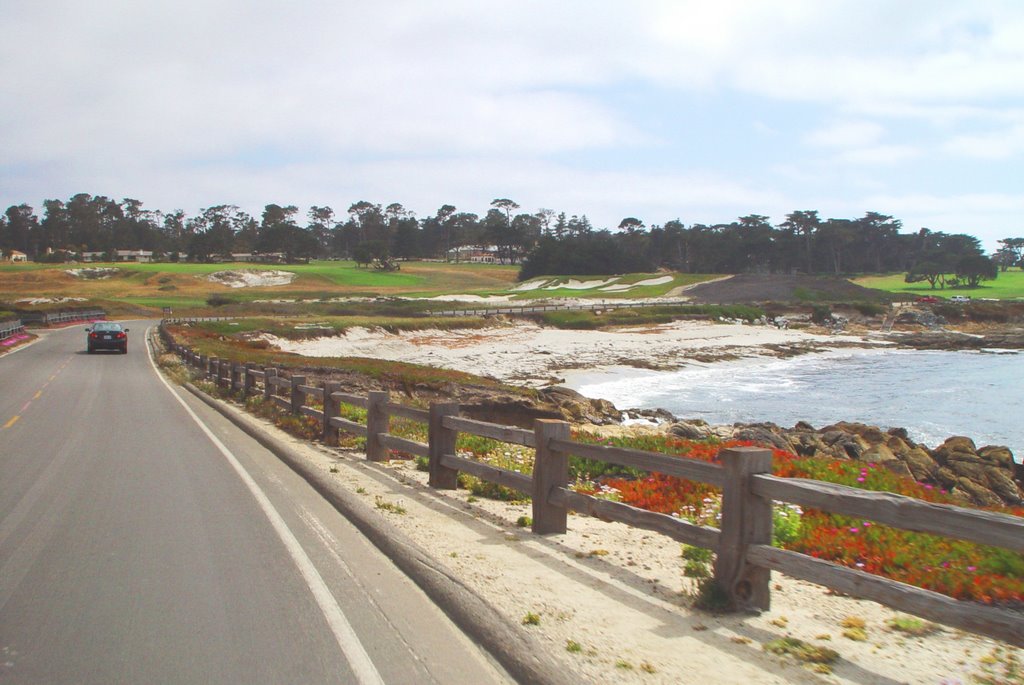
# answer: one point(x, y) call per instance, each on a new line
point(346, 637)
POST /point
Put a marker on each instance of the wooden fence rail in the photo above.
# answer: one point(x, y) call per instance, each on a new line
point(744, 555)
point(9, 328)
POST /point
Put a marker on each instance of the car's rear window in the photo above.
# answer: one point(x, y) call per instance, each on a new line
point(106, 327)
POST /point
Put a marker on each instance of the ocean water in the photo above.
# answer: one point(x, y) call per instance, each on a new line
point(933, 394)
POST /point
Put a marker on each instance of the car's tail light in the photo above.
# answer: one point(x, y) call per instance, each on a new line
point(120, 335)
point(94, 335)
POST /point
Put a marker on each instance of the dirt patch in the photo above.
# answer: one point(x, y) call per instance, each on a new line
point(745, 288)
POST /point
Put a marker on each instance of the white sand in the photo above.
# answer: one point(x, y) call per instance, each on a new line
point(573, 284)
point(251, 278)
point(48, 300)
point(619, 287)
point(94, 273)
point(531, 285)
point(527, 353)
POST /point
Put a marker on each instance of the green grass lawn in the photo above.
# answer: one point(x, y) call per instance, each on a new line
point(1008, 286)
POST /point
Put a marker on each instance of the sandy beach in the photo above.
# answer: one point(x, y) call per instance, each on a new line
point(528, 354)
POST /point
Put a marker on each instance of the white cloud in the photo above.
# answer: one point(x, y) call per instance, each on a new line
point(992, 145)
point(846, 134)
point(879, 155)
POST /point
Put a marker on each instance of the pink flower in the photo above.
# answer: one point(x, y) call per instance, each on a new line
point(861, 479)
point(972, 569)
point(855, 530)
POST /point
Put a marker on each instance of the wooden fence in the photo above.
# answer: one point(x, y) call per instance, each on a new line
point(9, 328)
point(743, 545)
point(50, 318)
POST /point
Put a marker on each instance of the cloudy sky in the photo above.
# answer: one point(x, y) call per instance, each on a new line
point(701, 111)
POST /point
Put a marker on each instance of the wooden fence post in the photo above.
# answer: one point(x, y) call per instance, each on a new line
point(332, 408)
point(298, 397)
point(746, 520)
point(377, 421)
point(248, 380)
point(268, 384)
point(236, 377)
point(442, 441)
point(550, 470)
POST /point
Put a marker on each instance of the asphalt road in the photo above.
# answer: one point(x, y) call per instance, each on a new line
point(145, 539)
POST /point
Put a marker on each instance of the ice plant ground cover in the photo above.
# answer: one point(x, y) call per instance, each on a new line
point(959, 569)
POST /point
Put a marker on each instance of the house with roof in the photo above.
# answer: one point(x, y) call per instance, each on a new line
point(13, 256)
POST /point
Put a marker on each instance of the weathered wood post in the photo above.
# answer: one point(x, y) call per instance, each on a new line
point(442, 441)
point(746, 520)
point(550, 471)
point(268, 383)
point(225, 373)
point(332, 408)
point(211, 368)
point(236, 377)
point(298, 397)
point(248, 380)
point(377, 421)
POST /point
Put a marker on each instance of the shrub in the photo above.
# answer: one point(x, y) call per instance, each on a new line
point(820, 313)
point(218, 300)
point(870, 308)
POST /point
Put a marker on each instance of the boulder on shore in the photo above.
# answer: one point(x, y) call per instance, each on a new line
point(985, 476)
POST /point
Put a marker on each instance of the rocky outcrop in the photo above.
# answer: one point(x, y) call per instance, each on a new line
point(950, 340)
point(578, 408)
point(986, 476)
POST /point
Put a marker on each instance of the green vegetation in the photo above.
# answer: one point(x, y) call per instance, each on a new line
point(384, 505)
point(802, 651)
point(531, 619)
point(911, 625)
point(1008, 286)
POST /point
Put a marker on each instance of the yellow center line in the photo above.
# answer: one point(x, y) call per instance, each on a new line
point(39, 393)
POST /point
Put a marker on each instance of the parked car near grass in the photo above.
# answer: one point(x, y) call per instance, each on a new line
point(106, 335)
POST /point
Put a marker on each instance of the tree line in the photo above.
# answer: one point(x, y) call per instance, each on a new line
point(542, 242)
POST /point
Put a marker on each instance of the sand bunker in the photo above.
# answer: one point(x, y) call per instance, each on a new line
point(618, 287)
point(251, 278)
point(573, 284)
point(48, 300)
point(96, 273)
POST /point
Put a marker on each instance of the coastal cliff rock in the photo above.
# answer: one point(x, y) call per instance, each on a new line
point(986, 476)
point(578, 408)
point(951, 340)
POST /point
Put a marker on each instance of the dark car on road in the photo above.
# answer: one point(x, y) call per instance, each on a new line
point(107, 335)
